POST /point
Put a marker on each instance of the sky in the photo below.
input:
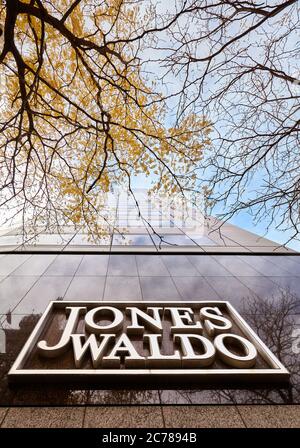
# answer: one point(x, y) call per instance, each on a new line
point(243, 219)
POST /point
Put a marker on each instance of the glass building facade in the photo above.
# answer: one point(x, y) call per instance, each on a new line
point(138, 224)
point(159, 256)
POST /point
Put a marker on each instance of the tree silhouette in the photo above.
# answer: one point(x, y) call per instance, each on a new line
point(239, 64)
point(78, 115)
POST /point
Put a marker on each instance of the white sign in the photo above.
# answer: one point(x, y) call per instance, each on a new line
point(199, 341)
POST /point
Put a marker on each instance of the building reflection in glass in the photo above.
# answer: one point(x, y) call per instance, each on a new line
point(276, 322)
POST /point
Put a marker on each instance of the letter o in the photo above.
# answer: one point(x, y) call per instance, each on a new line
point(241, 362)
point(116, 324)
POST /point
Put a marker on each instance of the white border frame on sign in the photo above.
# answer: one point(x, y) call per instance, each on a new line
point(275, 373)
